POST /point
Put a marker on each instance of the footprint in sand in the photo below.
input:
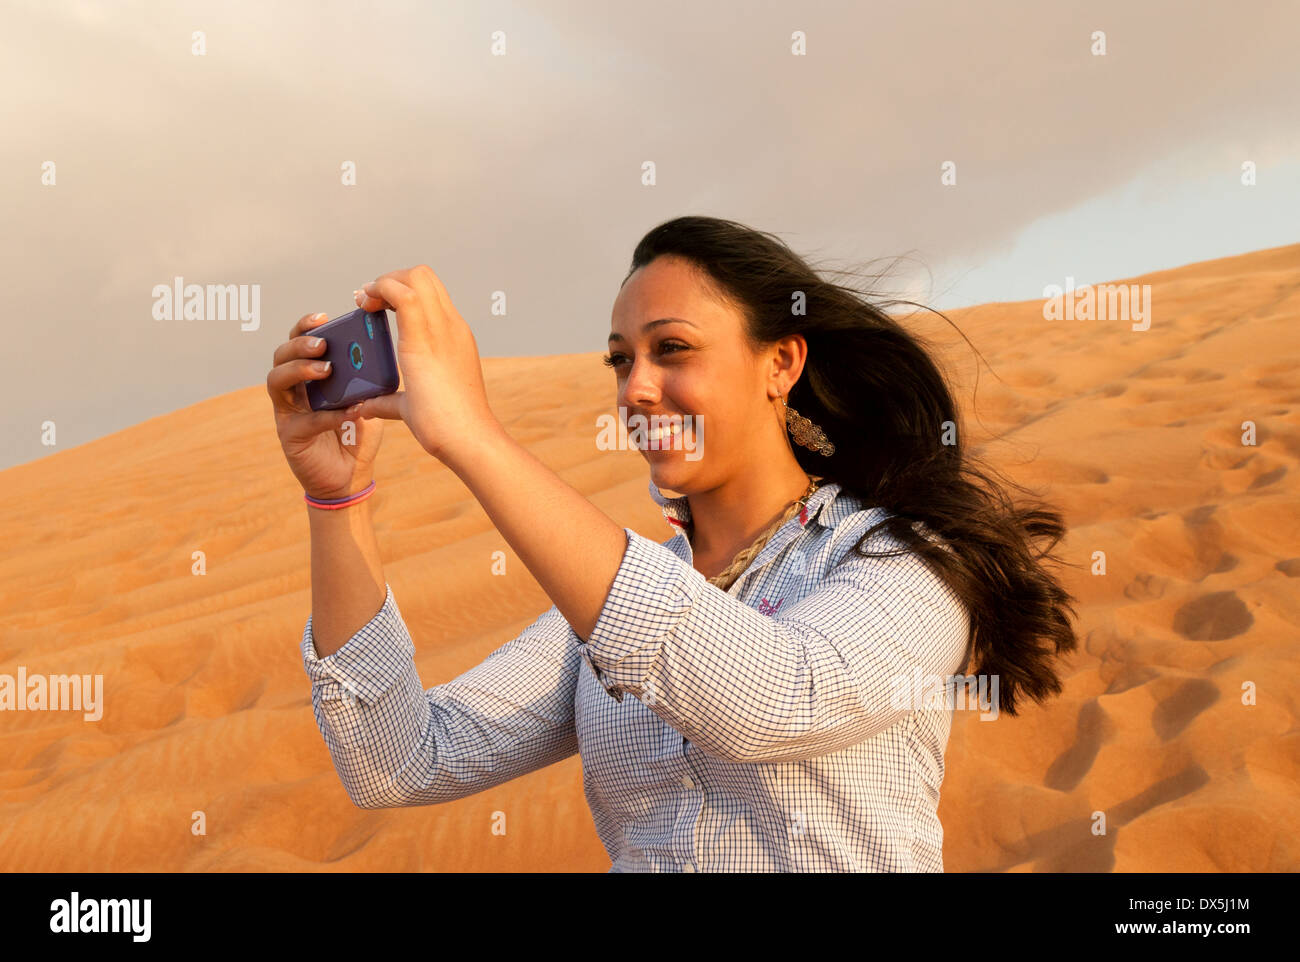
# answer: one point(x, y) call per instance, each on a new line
point(1089, 732)
point(1145, 586)
point(1268, 477)
point(1213, 617)
point(1130, 676)
point(1071, 847)
point(1175, 712)
point(1161, 793)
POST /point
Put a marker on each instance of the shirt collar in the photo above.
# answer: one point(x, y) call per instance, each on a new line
point(828, 506)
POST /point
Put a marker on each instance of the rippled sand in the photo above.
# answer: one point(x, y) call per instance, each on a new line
point(1135, 435)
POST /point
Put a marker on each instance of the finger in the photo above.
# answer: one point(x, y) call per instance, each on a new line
point(368, 303)
point(306, 425)
point(386, 406)
point(304, 345)
point(423, 281)
point(370, 299)
point(307, 321)
point(284, 377)
point(412, 322)
point(424, 275)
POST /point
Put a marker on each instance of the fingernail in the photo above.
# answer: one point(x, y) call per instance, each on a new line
point(321, 317)
point(322, 365)
point(356, 407)
point(356, 294)
point(314, 342)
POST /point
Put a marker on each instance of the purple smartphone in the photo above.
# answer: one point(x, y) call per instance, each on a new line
point(359, 348)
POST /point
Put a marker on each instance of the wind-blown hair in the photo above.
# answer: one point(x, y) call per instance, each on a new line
point(874, 388)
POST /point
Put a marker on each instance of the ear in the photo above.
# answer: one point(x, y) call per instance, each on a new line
point(788, 356)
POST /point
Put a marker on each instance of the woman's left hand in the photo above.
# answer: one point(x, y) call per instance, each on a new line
point(443, 400)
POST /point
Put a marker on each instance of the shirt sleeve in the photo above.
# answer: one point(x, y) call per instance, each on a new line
point(829, 671)
point(395, 744)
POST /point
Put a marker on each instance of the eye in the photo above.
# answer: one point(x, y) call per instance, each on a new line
point(667, 347)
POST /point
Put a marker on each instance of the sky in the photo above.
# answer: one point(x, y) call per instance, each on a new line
point(503, 144)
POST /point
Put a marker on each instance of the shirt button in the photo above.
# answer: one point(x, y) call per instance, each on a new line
point(686, 782)
point(688, 867)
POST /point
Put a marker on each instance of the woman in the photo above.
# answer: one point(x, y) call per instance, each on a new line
point(775, 724)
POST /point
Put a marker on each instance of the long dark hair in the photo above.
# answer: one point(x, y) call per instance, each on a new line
point(874, 388)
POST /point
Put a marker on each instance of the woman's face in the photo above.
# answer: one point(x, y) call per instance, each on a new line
point(678, 352)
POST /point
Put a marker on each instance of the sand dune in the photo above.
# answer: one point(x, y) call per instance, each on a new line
point(1136, 435)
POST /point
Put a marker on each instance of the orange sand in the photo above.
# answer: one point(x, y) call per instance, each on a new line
point(1135, 435)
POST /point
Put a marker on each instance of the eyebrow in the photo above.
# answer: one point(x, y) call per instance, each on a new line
point(652, 325)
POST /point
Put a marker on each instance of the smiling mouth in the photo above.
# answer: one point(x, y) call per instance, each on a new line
point(676, 436)
point(664, 433)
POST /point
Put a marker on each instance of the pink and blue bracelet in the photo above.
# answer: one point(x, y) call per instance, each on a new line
point(333, 503)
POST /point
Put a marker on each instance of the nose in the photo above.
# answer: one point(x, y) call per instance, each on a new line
point(641, 389)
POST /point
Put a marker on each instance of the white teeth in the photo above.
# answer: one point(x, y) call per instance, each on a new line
point(657, 434)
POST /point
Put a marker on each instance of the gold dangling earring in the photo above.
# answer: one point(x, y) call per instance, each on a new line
point(806, 433)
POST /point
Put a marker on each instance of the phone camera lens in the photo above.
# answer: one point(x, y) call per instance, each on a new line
point(354, 352)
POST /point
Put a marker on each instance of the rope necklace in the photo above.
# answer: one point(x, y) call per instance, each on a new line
point(727, 577)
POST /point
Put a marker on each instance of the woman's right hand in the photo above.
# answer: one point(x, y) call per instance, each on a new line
point(313, 441)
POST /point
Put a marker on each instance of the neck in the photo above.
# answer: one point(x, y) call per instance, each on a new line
point(728, 518)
